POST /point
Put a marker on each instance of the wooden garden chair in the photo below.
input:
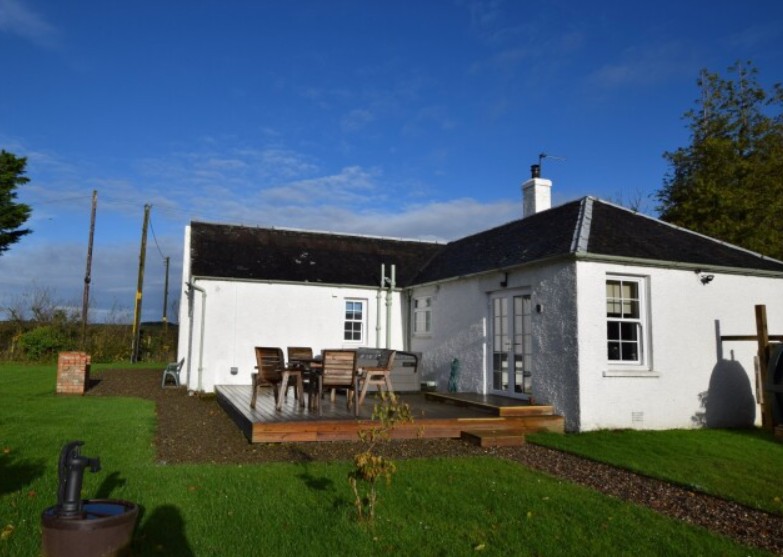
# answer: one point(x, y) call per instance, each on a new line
point(302, 357)
point(303, 354)
point(377, 374)
point(273, 372)
point(339, 371)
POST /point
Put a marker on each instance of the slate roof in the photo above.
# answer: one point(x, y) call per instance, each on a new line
point(540, 236)
point(619, 232)
point(240, 252)
point(588, 228)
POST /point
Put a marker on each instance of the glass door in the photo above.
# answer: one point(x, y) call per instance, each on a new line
point(512, 344)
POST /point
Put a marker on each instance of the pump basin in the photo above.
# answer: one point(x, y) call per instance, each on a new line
point(104, 529)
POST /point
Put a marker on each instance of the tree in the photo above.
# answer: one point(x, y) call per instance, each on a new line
point(12, 214)
point(728, 183)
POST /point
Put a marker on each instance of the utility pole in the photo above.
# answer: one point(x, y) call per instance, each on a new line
point(135, 348)
point(166, 300)
point(88, 272)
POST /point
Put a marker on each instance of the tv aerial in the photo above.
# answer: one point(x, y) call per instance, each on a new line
point(542, 156)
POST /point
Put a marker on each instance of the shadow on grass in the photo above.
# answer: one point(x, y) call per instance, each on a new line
point(109, 484)
point(314, 483)
point(754, 433)
point(162, 533)
point(15, 474)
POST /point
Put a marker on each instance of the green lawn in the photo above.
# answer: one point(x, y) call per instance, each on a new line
point(464, 506)
point(742, 465)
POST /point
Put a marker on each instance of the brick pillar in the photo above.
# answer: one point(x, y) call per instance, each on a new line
point(73, 372)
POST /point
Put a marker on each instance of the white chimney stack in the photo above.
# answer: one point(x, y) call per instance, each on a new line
point(536, 193)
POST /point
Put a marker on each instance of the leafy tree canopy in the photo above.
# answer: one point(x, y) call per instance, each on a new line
point(12, 214)
point(728, 183)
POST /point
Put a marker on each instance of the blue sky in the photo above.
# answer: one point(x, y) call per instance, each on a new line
point(414, 119)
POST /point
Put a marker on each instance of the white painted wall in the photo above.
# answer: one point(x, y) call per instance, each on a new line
point(460, 313)
point(241, 315)
point(184, 318)
point(690, 380)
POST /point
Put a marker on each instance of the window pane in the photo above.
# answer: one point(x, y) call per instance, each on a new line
point(628, 331)
point(630, 352)
point(613, 330)
point(613, 350)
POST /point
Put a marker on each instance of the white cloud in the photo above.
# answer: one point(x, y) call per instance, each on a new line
point(645, 66)
point(757, 35)
point(16, 18)
point(60, 270)
point(356, 119)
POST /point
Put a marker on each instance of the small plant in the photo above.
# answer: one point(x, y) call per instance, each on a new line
point(369, 466)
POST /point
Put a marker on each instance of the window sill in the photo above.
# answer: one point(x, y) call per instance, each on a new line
point(631, 373)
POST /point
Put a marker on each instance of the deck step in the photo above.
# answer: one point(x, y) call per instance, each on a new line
point(494, 437)
point(495, 404)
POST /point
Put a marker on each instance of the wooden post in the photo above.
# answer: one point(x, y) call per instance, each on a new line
point(762, 334)
point(135, 348)
point(166, 302)
point(88, 272)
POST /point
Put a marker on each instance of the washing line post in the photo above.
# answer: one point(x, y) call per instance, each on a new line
point(762, 335)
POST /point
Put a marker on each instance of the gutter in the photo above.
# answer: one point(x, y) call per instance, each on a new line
point(688, 266)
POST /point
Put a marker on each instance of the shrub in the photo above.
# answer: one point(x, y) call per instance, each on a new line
point(43, 343)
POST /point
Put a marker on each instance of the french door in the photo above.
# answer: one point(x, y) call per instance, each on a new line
point(512, 344)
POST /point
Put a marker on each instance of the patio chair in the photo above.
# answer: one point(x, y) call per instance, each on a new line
point(273, 372)
point(299, 354)
point(172, 371)
point(302, 357)
point(377, 374)
point(339, 371)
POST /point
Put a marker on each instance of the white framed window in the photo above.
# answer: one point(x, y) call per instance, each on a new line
point(353, 329)
point(422, 315)
point(626, 320)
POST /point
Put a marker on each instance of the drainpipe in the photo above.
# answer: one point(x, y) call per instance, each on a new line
point(389, 302)
point(379, 307)
point(193, 286)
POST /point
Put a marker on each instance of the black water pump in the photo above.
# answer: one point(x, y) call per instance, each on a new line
point(71, 474)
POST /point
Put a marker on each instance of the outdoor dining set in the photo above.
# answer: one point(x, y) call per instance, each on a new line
point(314, 375)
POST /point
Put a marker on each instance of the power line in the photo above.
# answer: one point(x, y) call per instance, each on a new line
point(60, 200)
point(155, 238)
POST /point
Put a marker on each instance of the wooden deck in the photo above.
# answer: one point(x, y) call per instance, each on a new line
point(445, 416)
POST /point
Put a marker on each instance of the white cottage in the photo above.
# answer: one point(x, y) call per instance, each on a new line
point(612, 317)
